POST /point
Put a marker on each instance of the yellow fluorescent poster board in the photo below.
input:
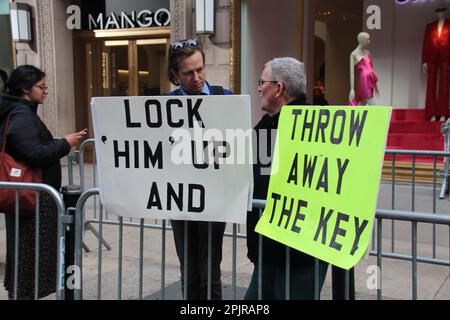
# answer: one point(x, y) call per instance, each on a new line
point(325, 179)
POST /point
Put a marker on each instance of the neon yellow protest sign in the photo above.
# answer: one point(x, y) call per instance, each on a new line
point(325, 179)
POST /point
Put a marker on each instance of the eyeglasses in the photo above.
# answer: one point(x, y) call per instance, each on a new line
point(261, 82)
point(43, 88)
point(184, 43)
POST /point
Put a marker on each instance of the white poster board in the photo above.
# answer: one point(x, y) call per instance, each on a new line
point(178, 158)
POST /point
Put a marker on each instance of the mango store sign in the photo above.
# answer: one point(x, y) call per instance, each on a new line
point(124, 20)
point(175, 158)
point(325, 179)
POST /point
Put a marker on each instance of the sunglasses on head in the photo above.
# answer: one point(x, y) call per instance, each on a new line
point(184, 43)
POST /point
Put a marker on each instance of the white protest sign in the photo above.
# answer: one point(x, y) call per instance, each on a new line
point(179, 158)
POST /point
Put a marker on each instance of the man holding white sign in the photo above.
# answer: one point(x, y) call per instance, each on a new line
point(187, 70)
point(173, 158)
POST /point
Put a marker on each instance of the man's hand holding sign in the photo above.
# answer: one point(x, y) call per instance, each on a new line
point(325, 180)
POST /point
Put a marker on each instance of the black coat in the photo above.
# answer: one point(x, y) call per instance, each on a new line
point(274, 253)
point(29, 141)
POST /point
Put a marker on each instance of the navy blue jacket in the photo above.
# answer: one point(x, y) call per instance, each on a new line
point(215, 91)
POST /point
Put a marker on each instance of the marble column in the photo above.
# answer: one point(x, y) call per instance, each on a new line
point(181, 26)
point(46, 49)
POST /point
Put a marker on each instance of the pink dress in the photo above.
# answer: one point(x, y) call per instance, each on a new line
point(366, 79)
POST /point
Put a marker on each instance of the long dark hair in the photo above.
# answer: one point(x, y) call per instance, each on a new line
point(22, 79)
point(185, 49)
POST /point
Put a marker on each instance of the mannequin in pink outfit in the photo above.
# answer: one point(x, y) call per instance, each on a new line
point(363, 81)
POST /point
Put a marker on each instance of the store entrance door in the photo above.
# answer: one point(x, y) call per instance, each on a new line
point(133, 67)
point(117, 66)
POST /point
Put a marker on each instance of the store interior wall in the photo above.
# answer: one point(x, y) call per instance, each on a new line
point(320, 31)
point(270, 35)
point(397, 50)
point(341, 41)
point(337, 24)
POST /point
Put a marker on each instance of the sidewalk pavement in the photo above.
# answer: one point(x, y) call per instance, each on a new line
point(433, 280)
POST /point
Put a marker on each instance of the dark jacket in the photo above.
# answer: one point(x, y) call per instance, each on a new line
point(29, 141)
point(215, 91)
point(274, 253)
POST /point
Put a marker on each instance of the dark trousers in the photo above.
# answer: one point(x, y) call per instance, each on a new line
point(274, 282)
point(197, 271)
point(338, 279)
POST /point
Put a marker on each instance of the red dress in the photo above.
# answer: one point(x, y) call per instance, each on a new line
point(366, 81)
point(436, 53)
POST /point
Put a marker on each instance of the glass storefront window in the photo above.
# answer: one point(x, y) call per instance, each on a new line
point(115, 69)
point(151, 66)
point(6, 59)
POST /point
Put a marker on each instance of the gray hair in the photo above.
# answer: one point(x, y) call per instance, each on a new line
point(291, 73)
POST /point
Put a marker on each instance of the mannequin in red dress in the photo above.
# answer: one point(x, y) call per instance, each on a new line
point(436, 63)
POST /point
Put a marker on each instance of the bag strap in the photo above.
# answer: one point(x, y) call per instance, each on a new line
point(5, 131)
point(217, 91)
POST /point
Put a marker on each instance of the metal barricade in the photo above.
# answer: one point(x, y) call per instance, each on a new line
point(413, 155)
point(82, 154)
point(414, 218)
point(446, 172)
point(80, 221)
point(62, 220)
point(381, 215)
point(82, 173)
point(71, 160)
